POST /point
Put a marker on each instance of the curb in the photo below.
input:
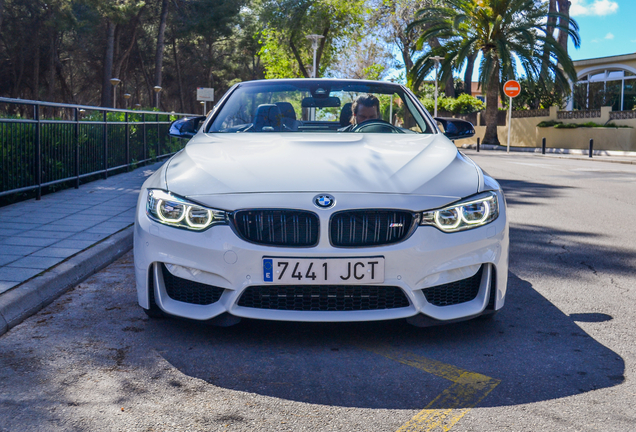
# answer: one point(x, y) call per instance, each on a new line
point(629, 158)
point(26, 299)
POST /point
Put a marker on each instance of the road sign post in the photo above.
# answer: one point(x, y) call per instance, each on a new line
point(512, 89)
point(204, 95)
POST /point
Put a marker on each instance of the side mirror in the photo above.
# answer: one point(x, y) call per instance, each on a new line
point(186, 127)
point(455, 128)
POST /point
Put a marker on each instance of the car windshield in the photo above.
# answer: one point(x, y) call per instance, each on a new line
point(319, 106)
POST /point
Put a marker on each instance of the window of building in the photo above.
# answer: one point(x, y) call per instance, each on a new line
point(610, 87)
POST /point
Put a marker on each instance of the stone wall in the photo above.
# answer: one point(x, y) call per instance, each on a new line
point(525, 132)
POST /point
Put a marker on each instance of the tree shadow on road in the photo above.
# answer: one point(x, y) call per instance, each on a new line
point(520, 192)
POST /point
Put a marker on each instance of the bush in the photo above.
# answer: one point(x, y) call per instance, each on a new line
point(464, 104)
point(561, 125)
point(549, 123)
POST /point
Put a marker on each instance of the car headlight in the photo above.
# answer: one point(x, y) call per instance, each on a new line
point(169, 209)
point(473, 212)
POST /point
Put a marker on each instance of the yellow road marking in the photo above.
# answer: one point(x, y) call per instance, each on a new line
point(467, 390)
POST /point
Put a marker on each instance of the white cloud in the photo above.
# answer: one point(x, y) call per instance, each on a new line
point(609, 36)
point(597, 7)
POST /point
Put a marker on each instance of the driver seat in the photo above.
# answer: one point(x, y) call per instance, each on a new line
point(268, 118)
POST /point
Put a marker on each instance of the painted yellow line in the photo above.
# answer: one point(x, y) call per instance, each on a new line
point(467, 390)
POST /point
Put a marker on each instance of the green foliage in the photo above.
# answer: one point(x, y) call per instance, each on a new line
point(535, 96)
point(568, 126)
point(285, 51)
point(464, 104)
point(278, 58)
point(504, 31)
point(55, 50)
point(549, 123)
point(561, 125)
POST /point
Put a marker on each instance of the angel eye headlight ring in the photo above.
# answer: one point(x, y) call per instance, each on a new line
point(178, 212)
point(470, 213)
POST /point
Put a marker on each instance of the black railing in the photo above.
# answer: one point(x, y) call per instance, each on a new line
point(43, 144)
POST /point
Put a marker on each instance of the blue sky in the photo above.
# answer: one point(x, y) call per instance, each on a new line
point(607, 27)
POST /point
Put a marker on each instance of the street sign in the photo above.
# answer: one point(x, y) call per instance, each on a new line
point(205, 94)
point(512, 88)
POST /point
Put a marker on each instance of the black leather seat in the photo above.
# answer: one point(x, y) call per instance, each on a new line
point(345, 114)
point(268, 118)
point(289, 115)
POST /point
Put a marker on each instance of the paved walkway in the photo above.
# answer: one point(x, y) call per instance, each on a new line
point(38, 235)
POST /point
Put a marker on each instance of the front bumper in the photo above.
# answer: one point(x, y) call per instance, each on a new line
point(218, 257)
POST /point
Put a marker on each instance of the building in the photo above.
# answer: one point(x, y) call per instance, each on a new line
point(605, 81)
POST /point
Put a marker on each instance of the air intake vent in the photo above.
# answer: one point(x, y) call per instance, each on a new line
point(291, 228)
point(360, 228)
point(323, 297)
point(454, 293)
point(188, 291)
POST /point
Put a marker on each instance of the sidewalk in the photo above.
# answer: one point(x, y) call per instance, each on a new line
point(620, 157)
point(63, 238)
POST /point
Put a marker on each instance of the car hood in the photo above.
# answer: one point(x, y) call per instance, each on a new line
point(323, 163)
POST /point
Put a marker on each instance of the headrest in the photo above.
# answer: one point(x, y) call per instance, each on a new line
point(287, 110)
point(345, 114)
point(268, 116)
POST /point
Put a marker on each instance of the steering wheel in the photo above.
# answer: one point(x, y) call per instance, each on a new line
point(376, 126)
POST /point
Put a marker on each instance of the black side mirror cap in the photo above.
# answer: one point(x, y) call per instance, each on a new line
point(186, 127)
point(456, 128)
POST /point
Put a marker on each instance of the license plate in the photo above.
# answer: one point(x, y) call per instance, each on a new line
point(314, 271)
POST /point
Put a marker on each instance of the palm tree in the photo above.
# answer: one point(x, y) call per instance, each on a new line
point(504, 32)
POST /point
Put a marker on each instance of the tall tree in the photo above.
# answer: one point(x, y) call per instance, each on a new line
point(114, 15)
point(564, 23)
point(392, 18)
point(285, 50)
point(505, 32)
point(160, 42)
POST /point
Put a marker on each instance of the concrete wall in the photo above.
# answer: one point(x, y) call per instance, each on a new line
point(525, 133)
point(604, 138)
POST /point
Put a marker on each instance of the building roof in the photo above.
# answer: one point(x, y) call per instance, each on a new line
point(601, 60)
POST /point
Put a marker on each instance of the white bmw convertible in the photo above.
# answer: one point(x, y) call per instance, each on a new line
point(321, 200)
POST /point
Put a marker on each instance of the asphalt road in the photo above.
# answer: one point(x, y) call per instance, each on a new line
point(560, 356)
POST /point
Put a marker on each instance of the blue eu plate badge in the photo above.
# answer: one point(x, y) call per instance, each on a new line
point(268, 270)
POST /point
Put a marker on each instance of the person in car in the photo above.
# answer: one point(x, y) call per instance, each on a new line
point(365, 107)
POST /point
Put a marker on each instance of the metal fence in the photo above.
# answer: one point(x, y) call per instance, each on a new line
point(44, 144)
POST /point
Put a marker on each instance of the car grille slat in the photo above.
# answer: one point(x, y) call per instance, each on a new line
point(323, 297)
point(188, 291)
point(360, 228)
point(453, 293)
point(292, 228)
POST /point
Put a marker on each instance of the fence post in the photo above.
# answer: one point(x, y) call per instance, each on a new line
point(105, 145)
point(143, 121)
point(77, 151)
point(591, 147)
point(127, 143)
point(478, 139)
point(38, 153)
point(543, 146)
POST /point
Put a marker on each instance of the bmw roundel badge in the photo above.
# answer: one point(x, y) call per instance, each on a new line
point(324, 201)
